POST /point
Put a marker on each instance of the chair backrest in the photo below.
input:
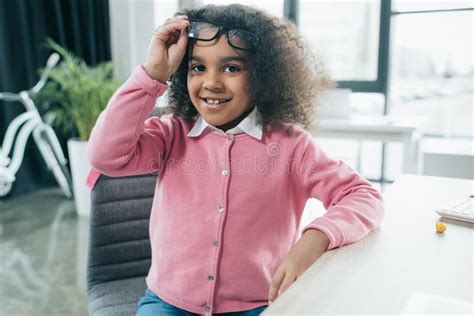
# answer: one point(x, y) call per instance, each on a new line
point(119, 244)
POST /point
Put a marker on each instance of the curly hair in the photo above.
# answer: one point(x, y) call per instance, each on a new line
point(286, 81)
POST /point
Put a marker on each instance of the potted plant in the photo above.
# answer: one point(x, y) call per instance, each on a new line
point(73, 98)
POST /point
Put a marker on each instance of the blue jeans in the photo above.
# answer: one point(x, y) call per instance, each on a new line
point(151, 304)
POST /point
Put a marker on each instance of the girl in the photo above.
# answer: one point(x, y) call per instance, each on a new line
point(235, 161)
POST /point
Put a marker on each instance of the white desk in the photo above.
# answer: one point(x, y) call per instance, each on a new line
point(402, 267)
point(406, 130)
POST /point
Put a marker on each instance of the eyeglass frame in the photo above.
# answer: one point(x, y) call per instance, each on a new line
point(226, 30)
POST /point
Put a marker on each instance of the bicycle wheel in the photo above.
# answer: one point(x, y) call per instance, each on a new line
point(52, 154)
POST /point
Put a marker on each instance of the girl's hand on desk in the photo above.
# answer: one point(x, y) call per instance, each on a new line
point(304, 253)
point(167, 48)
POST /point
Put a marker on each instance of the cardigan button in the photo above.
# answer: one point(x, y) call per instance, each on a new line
point(210, 278)
point(208, 308)
point(225, 172)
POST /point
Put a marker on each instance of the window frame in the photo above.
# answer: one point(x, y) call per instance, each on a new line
point(379, 85)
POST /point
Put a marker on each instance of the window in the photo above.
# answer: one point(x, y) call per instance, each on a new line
point(353, 44)
point(433, 70)
point(346, 33)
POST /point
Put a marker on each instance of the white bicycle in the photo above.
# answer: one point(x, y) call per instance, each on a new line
point(20, 129)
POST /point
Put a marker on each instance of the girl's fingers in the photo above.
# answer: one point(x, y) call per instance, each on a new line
point(183, 40)
point(181, 17)
point(174, 26)
point(166, 31)
point(171, 24)
point(275, 284)
point(176, 19)
point(289, 279)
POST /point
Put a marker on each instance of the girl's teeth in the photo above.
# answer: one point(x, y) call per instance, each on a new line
point(214, 101)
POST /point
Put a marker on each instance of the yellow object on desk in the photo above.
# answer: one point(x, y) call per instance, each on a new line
point(440, 227)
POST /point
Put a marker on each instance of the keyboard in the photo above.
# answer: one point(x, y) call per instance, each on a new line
point(463, 211)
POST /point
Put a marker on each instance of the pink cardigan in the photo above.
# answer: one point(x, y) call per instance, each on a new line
point(226, 210)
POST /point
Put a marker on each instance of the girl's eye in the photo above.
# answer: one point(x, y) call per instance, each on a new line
point(197, 68)
point(232, 68)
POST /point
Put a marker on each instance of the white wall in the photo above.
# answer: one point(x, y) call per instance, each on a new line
point(131, 26)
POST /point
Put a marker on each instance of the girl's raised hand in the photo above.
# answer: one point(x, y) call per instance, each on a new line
point(167, 48)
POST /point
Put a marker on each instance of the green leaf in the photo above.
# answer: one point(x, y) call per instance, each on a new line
point(75, 93)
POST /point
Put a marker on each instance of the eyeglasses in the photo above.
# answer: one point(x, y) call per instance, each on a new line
point(237, 38)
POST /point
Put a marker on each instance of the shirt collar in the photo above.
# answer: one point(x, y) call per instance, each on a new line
point(250, 125)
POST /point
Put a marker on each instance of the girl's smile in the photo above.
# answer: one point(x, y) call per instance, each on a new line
point(218, 78)
point(213, 103)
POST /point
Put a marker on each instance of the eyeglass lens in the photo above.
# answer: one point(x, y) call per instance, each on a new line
point(243, 39)
point(237, 38)
point(203, 30)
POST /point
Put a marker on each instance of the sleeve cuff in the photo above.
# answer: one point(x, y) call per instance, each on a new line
point(150, 86)
point(335, 236)
point(92, 178)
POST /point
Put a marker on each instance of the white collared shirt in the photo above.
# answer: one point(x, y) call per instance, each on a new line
point(250, 125)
